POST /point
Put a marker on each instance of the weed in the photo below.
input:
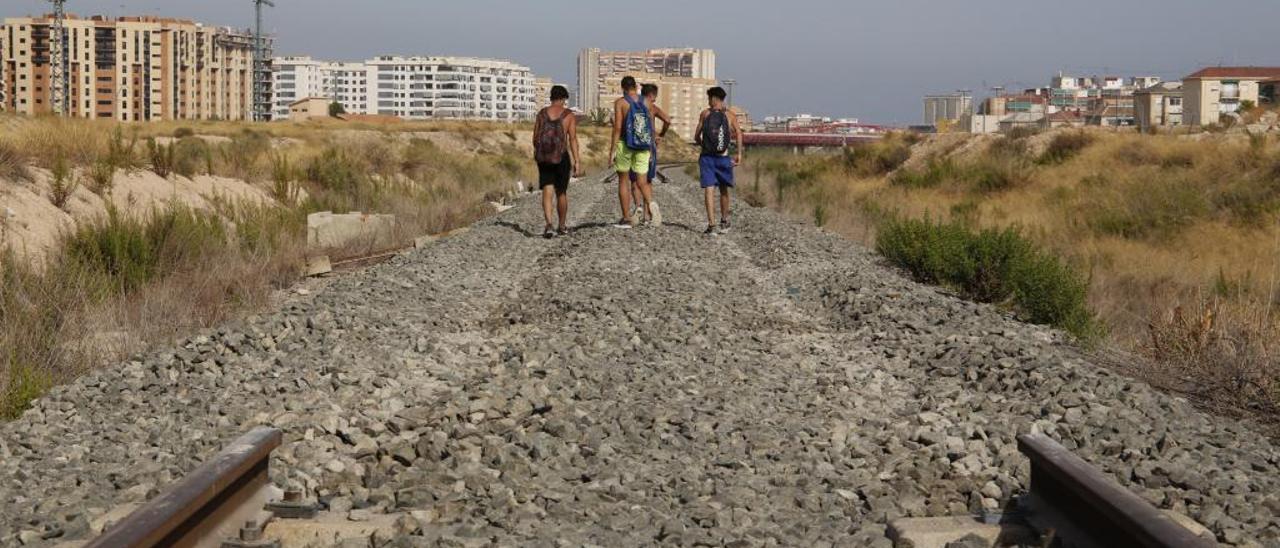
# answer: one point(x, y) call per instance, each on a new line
point(63, 185)
point(13, 163)
point(102, 177)
point(162, 157)
point(284, 186)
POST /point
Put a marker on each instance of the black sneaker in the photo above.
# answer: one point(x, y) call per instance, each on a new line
point(711, 230)
point(562, 232)
point(548, 233)
point(724, 226)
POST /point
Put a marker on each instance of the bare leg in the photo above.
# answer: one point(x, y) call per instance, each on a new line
point(646, 191)
point(548, 194)
point(724, 203)
point(624, 195)
point(562, 207)
point(710, 195)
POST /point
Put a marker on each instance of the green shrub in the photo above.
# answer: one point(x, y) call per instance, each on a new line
point(101, 177)
point(128, 252)
point(189, 156)
point(162, 157)
point(242, 157)
point(284, 186)
point(121, 152)
point(335, 171)
point(1065, 146)
point(64, 183)
point(999, 266)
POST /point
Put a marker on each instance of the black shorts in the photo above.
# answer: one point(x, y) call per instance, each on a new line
point(556, 174)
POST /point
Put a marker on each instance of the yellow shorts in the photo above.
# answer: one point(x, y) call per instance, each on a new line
point(627, 160)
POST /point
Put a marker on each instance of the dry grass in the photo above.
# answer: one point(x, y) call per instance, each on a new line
point(1158, 223)
point(118, 284)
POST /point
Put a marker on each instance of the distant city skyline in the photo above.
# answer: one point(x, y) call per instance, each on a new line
point(873, 61)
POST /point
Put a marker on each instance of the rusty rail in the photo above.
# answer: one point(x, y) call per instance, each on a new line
point(198, 509)
point(1087, 508)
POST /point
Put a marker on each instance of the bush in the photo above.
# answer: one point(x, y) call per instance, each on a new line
point(995, 174)
point(183, 133)
point(122, 153)
point(284, 186)
point(162, 157)
point(189, 156)
point(1065, 146)
point(877, 158)
point(64, 183)
point(992, 265)
point(1156, 208)
point(129, 252)
point(102, 177)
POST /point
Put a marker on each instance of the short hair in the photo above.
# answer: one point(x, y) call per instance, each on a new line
point(559, 92)
point(649, 89)
point(717, 92)
point(628, 83)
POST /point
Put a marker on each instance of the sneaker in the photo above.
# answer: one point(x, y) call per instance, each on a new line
point(724, 226)
point(562, 231)
point(622, 224)
point(711, 230)
point(548, 233)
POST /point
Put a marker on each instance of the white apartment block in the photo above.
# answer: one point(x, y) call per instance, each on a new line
point(412, 88)
point(297, 78)
point(600, 72)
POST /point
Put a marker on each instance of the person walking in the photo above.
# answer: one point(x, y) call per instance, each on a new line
point(717, 130)
point(555, 148)
point(650, 94)
point(633, 138)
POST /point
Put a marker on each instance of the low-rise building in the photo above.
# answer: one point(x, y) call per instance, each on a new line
point(310, 108)
point(947, 109)
point(1158, 106)
point(1214, 92)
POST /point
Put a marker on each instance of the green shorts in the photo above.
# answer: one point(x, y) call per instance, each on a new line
point(627, 160)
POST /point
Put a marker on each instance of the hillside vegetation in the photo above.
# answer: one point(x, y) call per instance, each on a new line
point(1163, 246)
point(115, 236)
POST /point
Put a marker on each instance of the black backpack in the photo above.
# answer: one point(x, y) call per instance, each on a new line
point(715, 134)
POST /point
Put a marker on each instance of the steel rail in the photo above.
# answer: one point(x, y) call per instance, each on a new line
point(1087, 508)
point(190, 512)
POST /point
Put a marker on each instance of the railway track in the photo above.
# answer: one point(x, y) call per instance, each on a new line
point(228, 502)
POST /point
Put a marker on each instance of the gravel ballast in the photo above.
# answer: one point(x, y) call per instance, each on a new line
point(776, 385)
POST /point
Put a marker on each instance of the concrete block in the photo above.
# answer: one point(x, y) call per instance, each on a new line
point(937, 532)
point(325, 229)
point(317, 265)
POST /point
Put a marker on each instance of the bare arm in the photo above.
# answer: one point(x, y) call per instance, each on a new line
point(619, 118)
point(697, 133)
point(537, 128)
point(738, 136)
point(574, 155)
point(666, 120)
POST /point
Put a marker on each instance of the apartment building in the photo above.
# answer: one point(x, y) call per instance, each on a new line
point(297, 78)
point(411, 88)
point(129, 69)
point(1158, 106)
point(683, 99)
point(542, 92)
point(1215, 92)
point(599, 72)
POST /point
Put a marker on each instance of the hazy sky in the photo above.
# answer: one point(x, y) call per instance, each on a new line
point(872, 59)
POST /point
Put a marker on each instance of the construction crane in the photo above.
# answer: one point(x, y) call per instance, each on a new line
point(58, 59)
point(261, 67)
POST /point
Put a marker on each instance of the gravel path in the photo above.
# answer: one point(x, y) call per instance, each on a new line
point(772, 386)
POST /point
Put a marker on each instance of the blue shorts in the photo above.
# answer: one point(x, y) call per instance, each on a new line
point(653, 166)
point(716, 171)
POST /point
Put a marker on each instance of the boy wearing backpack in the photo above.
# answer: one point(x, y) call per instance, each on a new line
point(717, 128)
point(650, 94)
point(555, 148)
point(633, 133)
